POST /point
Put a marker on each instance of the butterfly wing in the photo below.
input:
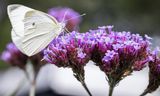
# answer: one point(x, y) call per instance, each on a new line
point(16, 14)
point(32, 30)
point(40, 29)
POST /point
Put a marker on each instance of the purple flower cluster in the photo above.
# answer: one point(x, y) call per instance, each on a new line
point(74, 48)
point(66, 15)
point(119, 50)
point(13, 56)
point(108, 49)
point(110, 59)
point(118, 54)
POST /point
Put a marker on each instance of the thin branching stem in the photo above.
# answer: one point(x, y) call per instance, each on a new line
point(86, 88)
point(144, 93)
point(111, 88)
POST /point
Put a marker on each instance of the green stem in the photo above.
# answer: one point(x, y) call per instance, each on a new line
point(111, 88)
point(86, 88)
point(33, 88)
point(144, 93)
point(112, 83)
point(79, 75)
point(33, 82)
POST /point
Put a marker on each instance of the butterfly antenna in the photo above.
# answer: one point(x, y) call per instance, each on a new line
point(66, 30)
point(71, 19)
point(75, 17)
point(65, 15)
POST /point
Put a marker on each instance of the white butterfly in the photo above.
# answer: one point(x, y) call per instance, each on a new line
point(32, 30)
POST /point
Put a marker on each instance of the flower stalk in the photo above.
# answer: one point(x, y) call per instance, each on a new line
point(145, 92)
point(111, 88)
point(36, 64)
point(112, 84)
point(33, 82)
point(79, 75)
point(33, 88)
point(86, 88)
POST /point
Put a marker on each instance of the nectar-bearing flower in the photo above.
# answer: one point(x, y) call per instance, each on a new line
point(110, 60)
point(71, 50)
point(13, 56)
point(154, 73)
point(118, 54)
point(66, 15)
point(54, 54)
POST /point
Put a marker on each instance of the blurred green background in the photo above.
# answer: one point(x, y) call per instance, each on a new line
point(137, 16)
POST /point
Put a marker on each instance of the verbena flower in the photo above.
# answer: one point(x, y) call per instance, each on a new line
point(110, 60)
point(131, 49)
point(13, 56)
point(54, 54)
point(118, 54)
point(72, 50)
point(154, 73)
point(65, 14)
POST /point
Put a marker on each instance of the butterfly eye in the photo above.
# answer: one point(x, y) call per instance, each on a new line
point(33, 23)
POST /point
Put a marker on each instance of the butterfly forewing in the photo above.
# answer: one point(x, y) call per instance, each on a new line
point(16, 14)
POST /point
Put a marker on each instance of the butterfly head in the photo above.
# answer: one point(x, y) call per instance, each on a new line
point(62, 24)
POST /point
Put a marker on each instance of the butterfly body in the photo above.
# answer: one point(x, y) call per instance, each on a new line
point(32, 30)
